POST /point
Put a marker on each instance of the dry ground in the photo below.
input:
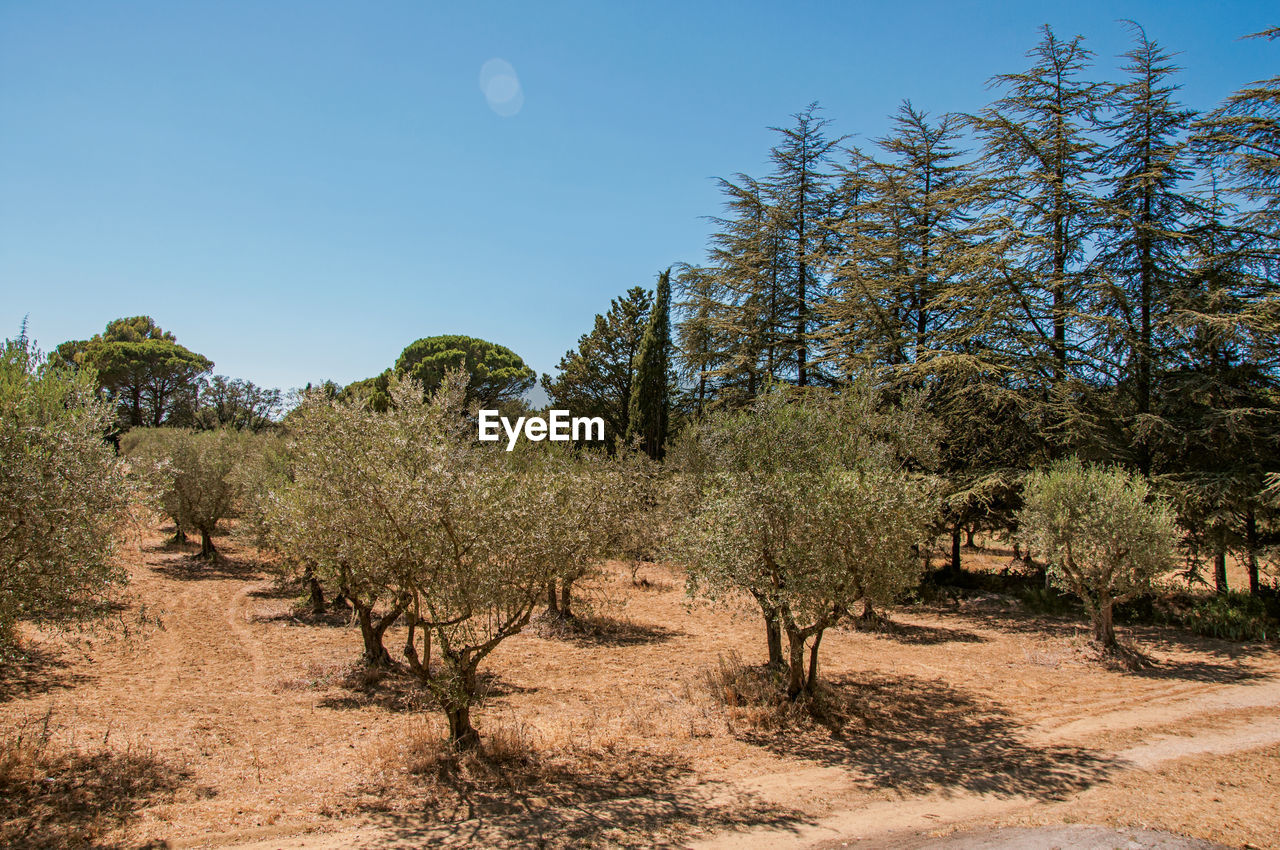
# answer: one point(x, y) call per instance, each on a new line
point(239, 721)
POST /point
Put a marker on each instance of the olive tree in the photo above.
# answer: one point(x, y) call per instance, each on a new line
point(412, 517)
point(609, 507)
point(1104, 535)
point(63, 494)
point(807, 503)
point(197, 473)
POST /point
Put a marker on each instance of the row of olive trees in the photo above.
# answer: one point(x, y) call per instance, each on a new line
point(810, 503)
point(807, 502)
point(410, 518)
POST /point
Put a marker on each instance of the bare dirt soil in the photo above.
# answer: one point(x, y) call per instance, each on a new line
point(240, 720)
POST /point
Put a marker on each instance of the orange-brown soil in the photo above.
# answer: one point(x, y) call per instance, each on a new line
point(240, 720)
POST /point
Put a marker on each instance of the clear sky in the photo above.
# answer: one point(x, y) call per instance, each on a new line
point(299, 189)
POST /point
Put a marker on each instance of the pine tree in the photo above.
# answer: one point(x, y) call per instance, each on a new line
point(1223, 444)
point(596, 379)
point(739, 294)
point(901, 243)
point(800, 191)
point(1220, 401)
point(1143, 239)
point(651, 391)
point(696, 345)
point(1030, 304)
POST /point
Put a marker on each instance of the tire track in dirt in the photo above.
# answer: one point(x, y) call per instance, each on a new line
point(900, 818)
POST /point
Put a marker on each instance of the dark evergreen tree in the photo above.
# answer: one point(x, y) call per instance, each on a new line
point(1143, 238)
point(596, 379)
point(650, 406)
point(1030, 304)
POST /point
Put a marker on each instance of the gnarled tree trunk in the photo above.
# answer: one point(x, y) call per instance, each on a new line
point(207, 550)
point(371, 631)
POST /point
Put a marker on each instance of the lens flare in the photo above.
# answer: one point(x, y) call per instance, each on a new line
point(501, 87)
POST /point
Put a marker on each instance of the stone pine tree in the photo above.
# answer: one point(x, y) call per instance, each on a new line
point(651, 392)
point(141, 369)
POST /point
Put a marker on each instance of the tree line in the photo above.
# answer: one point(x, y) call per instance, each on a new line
point(1082, 267)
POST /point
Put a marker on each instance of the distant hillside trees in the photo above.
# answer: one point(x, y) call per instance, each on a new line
point(236, 403)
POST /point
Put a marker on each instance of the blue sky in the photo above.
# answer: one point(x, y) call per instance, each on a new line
point(300, 189)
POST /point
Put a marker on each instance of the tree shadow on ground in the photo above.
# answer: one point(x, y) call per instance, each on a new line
point(279, 588)
point(1146, 638)
point(599, 630)
point(616, 798)
point(198, 569)
point(300, 614)
point(918, 635)
point(36, 671)
point(1198, 671)
point(917, 736)
point(397, 690)
point(75, 799)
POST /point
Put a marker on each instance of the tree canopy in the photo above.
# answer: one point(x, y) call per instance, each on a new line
point(141, 368)
point(63, 492)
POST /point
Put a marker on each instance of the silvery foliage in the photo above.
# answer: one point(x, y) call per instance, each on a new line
point(1103, 533)
point(808, 503)
point(63, 495)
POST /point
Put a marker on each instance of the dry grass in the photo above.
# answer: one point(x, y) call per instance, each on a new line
point(753, 698)
point(57, 793)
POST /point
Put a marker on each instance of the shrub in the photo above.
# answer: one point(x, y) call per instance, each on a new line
point(63, 494)
point(1233, 616)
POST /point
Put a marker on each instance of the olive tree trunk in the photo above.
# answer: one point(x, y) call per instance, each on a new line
point(207, 549)
point(371, 631)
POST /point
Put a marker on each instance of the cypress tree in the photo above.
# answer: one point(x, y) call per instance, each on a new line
point(651, 390)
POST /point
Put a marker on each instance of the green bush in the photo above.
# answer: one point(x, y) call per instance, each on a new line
point(1232, 616)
